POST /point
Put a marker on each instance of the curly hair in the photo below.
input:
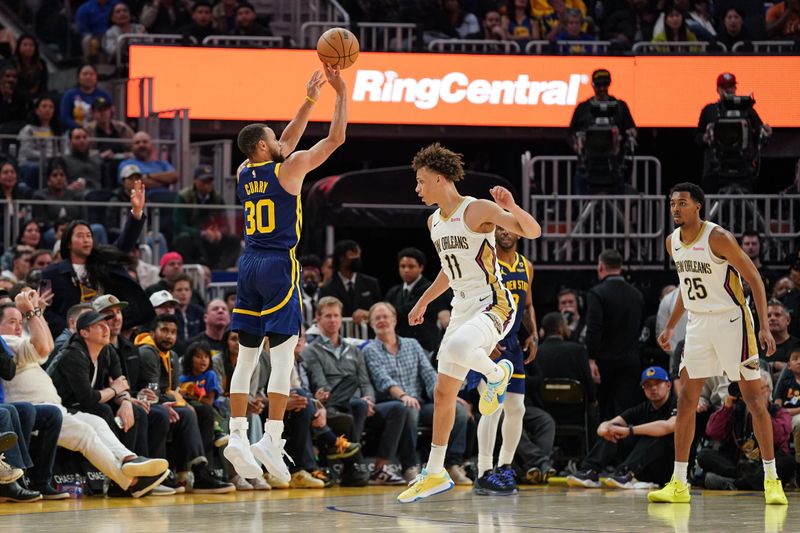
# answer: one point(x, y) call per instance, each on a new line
point(439, 159)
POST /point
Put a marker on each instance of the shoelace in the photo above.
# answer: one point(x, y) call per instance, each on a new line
point(419, 477)
point(495, 477)
point(508, 475)
point(341, 444)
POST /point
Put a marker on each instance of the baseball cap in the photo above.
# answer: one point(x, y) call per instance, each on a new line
point(108, 301)
point(726, 79)
point(100, 103)
point(129, 170)
point(169, 256)
point(157, 299)
point(601, 76)
point(89, 318)
point(203, 172)
point(655, 372)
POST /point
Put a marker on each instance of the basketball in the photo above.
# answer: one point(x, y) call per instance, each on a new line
point(338, 47)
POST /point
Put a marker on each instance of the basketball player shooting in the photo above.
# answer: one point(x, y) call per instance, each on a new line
point(268, 301)
point(719, 335)
point(462, 230)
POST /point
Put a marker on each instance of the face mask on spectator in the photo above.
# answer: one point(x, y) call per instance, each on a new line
point(356, 264)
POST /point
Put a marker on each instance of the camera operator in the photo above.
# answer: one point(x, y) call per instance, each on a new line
point(736, 465)
point(739, 166)
point(603, 118)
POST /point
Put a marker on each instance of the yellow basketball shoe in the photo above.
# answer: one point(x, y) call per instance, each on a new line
point(773, 492)
point(673, 492)
point(425, 485)
point(492, 398)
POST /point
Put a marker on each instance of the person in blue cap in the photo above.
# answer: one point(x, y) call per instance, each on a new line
point(637, 442)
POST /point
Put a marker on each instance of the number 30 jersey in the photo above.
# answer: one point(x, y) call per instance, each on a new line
point(708, 283)
point(272, 217)
point(468, 258)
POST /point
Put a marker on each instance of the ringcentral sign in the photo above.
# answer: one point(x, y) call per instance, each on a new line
point(455, 89)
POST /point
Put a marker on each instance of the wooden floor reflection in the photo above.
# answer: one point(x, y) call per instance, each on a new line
point(340, 510)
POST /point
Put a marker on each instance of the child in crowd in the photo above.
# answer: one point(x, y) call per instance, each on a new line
point(787, 395)
point(199, 384)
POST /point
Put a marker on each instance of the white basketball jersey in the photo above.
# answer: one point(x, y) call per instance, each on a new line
point(468, 258)
point(708, 284)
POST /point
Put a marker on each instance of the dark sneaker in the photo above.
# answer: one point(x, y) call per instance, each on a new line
point(205, 483)
point(171, 481)
point(493, 483)
point(143, 466)
point(509, 475)
point(384, 476)
point(588, 479)
point(14, 492)
point(343, 449)
point(354, 475)
point(115, 491)
point(716, 482)
point(622, 478)
point(145, 484)
point(48, 492)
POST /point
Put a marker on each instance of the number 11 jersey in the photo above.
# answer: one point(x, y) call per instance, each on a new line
point(273, 217)
point(709, 284)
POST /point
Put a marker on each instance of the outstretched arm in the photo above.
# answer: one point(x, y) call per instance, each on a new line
point(505, 213)
point(299, 163)
point(294, 130)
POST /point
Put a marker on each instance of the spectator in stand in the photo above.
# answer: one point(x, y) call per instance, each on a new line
point(20, 264)
point(569, 305)
point(200, 385)
point(203, 235)
point(146, 274)
point(76, 104)
point(493, 28)
point(102, 125)
point(787, 395)
point(630, 24)
point(463, 22)
point(58, 189)
point(13, 102)
point(16, 457)
point(31, 70)
point(192, 426)
point(163, 303)
point(120, 24)
point(202, 24)
point(224, 363)
point(72, 320)
point(403, 297)
point(92, 20)
point(8, 42)
point(41, 259)
point(171, 265)
point(165, 16)
point(312, 276)
point(614, 316)
point(791, 298)
point(37, 139)
point(732, 30)
point(338, 374)
point(327, 270)
point(779, 319)
point(216, 319)
point(87, 269)
point(638, 441)
point(751, 245)
point(698, 23)
point(12, 189)
point(675, 28)
point(401, 370)
point(84, 170)
point(782, 287)
point(700, 20)
point(517, 24)
point(355, 290)
point(81, 432)
point(128, 176)
point(225, 13)
point(736, 464)
point(189, 315)
point(783, 20)
point(571, 31)
point(245, 22)
point(157, 174)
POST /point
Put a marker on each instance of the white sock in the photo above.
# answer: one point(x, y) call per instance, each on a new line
point(436, 459)
point(274, 429)
point(239, 427)
point(769, 469)
point(680, 471)
point(513, 412)
point(484, 463)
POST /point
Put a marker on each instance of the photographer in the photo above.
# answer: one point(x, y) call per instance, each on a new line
point(741, 167)
point(602, 114)
point(736, 465)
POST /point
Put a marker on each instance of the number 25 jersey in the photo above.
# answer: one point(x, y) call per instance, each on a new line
point(272, 216)
point(708, 284)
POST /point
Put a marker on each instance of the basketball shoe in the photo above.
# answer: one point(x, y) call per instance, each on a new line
point(492, 398)
point(673, 492)
point(426, 485)
point(238, 453)
point(773, 492)
point(271, 454)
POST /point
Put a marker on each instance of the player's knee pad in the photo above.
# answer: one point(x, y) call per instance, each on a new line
point(514, 406)
point(282, 359)
point(463, 342)
point(245, 365)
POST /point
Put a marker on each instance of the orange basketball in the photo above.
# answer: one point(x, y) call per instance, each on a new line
point(338, 47)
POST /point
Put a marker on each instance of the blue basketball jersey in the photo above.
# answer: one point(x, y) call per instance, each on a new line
point(516, 279)
point(273, 217)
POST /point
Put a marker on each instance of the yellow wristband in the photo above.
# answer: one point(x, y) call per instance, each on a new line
point(311, 100)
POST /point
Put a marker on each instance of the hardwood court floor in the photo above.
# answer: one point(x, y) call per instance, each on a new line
point(340, 510)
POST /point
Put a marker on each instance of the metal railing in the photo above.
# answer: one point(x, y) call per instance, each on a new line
point(537, 47)
point(354, 331)
point(673, 47)
point(387, 36)
point(474, 46)
point(554, 175)
point(760, 47)
point(242, 41)
point(311, 31)
point(119, 93)
point(582, 47)
point(160, 39)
